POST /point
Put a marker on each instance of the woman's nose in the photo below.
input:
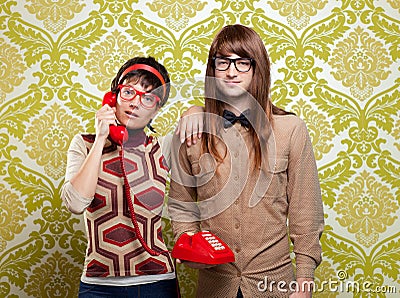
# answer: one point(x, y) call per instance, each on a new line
point(135, 102)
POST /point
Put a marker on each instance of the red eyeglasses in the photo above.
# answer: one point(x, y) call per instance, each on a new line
point(147, 100)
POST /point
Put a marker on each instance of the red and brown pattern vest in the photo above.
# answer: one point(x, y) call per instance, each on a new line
point(113, 246)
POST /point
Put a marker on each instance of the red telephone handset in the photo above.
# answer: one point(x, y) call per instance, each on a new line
point(118, 133)
point(202, 247)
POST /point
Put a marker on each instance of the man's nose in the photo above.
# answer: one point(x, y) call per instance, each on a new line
point(231, 71)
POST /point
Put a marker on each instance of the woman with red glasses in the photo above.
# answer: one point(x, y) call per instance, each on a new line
point(117, 179)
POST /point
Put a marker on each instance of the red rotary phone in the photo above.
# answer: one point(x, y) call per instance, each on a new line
point(202, 247)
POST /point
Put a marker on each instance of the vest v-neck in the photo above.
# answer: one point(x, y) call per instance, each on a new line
point(136, 138)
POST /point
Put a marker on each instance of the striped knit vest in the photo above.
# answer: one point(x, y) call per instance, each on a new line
point(113, 247)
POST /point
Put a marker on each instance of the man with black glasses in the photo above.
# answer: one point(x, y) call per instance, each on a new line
point(252, 180)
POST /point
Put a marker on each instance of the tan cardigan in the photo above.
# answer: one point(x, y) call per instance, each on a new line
point(254, 219)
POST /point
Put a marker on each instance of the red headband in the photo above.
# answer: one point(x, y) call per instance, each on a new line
point(150, 69)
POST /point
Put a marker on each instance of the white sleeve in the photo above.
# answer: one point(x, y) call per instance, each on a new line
point(77, 153)
point(165, 143)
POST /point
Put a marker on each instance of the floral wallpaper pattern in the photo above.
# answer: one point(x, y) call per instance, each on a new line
point(335, 64)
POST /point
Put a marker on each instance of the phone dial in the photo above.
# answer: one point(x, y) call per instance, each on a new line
point(202, 247)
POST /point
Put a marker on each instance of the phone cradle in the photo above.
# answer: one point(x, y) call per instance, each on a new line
point(203, 247)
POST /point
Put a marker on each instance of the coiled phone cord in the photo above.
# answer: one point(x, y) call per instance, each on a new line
point(134, 221)
point(132, 210)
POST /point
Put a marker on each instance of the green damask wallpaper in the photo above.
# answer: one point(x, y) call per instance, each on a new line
point(335, 64)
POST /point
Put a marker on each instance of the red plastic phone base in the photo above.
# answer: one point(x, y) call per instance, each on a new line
point(191, 248)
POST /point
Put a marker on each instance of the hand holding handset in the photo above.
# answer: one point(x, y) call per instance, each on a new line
point(118, 133)
point(202, 247)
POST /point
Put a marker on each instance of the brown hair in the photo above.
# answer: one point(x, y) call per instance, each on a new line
point(244, 42)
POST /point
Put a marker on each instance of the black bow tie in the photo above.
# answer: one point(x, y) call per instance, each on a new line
point(230, 118)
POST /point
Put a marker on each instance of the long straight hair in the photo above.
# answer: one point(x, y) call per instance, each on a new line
point(244, 42)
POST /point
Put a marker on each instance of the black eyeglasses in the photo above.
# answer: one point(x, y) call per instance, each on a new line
point(241, 64)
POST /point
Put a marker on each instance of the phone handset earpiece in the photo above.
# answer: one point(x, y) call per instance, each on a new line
point(118, 133)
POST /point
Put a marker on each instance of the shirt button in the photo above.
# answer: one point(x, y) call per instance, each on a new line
point(237, 226)
point(238, 250)
point(238, 274)
point(236, 154)
point(236, 178)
